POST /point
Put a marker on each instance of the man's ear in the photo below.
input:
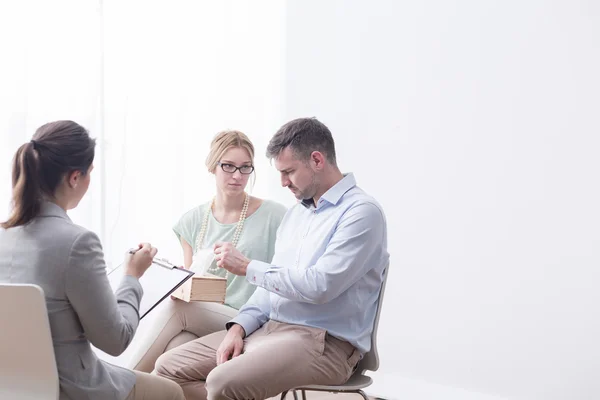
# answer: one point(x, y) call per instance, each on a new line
point(317, 159)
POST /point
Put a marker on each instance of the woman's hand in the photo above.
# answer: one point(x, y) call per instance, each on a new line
point(138, 262)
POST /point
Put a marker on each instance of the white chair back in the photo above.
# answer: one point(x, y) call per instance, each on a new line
point(27, 363)
point(370, 360)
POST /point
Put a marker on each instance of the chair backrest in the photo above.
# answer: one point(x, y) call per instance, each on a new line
point(27, 363)
point(370, 360)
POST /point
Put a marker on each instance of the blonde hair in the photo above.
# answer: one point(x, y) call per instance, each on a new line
point(222, 142)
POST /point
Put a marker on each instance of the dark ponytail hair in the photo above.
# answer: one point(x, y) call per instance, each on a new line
point(57, 149)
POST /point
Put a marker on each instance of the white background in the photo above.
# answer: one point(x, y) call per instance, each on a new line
point(474, 123)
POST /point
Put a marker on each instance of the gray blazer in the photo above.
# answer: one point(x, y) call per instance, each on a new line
point(66, 260)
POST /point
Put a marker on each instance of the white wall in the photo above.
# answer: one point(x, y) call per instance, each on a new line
point(476, 126)
point(48, 73)
point(474, 123)
point(187, 71)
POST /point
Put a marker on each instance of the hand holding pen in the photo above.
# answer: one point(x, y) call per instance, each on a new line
point(138, 260)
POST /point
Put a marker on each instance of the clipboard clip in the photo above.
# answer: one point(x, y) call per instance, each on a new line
point(163, 262)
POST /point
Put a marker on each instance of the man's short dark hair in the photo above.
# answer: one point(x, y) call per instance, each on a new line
point(303, 136)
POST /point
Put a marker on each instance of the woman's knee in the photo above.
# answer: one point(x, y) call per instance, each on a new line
point(165, 366)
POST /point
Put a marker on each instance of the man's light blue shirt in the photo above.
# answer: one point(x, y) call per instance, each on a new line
point(328, 267)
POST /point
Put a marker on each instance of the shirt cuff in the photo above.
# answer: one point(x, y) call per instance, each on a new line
point(255, 273)
point(248, 322)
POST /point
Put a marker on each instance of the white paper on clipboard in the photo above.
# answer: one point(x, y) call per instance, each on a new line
point(158, 282)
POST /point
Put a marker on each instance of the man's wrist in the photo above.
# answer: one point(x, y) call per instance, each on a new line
point(237, 329)
point(246, 263)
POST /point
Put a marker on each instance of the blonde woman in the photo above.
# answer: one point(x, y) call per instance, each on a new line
point(232, 215)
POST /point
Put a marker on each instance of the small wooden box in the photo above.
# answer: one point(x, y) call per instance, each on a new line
point(209, 288)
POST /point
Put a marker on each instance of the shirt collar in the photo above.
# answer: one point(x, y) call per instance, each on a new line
point(335, 193)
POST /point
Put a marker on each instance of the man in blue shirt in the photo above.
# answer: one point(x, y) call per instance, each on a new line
point(311, 317)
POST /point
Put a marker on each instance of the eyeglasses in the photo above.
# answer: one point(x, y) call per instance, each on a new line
point(230, 168)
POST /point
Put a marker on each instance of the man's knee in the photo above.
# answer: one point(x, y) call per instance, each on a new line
point(224, 384)
point(220, 384)
point(217, 384)
point(175, 391)
point(156, 387)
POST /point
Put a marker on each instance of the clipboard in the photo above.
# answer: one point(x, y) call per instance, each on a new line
point(159, 281)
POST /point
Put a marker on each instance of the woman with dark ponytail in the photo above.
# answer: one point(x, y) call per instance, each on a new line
point(57, 149)
point(39, 244)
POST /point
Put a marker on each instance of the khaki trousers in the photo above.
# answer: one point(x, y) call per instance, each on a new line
point(277, 357)
point(171, 324)
point(151, 387)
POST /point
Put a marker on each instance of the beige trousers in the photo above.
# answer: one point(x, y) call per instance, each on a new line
point(151, 387)
point(277, 357)
point(171, 324)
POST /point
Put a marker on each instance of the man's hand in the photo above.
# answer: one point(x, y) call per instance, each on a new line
point(230, 258)
point(232, 345)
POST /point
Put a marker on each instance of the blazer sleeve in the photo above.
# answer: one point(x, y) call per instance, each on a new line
point(109, 319)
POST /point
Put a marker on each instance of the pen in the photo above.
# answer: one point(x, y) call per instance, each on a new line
point(134, 250)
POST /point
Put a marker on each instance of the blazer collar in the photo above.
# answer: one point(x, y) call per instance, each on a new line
point(50, 209)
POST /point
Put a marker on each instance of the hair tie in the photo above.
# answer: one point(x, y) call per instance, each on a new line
point(34, 143)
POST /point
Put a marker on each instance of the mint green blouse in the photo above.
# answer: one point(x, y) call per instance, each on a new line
point(257, 241)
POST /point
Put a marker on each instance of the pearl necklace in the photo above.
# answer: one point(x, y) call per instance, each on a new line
point(236, 235)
